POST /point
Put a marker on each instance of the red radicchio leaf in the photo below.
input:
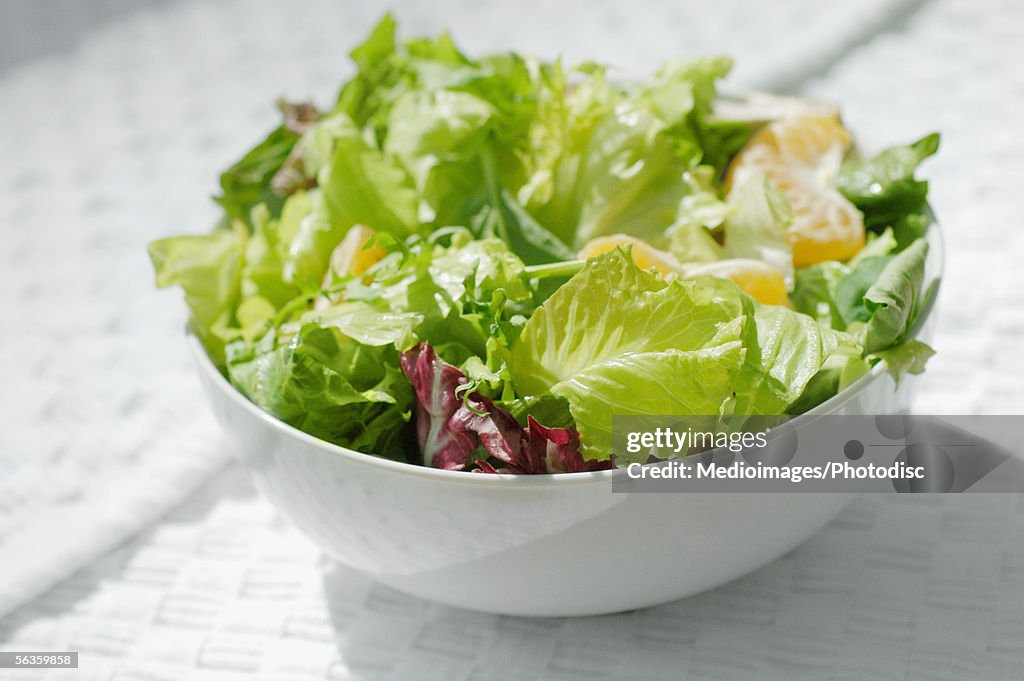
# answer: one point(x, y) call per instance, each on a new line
point(498, 431)
point(434, 382)
point(557, 450)
point(450, 430)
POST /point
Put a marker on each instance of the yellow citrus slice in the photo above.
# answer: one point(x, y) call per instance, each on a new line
point(801, 156)
point(761, 281)
point(644, 254)
point(350, 257)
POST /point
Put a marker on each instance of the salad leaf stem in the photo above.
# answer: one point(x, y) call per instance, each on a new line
point(554, 269)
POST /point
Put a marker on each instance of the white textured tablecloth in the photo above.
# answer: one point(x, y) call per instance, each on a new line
point(104, 429)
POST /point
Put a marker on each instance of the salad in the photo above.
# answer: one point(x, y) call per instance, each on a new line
point(472, 264)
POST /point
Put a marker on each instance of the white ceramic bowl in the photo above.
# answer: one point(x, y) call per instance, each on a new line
point(529, 545)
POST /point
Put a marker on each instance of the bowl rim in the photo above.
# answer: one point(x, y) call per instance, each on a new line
point(216, 378)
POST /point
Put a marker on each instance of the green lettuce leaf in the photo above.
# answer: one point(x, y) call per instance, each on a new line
point(247, 183)
point(880, 295)
point(329, 386)
point(363, 186)
point(388, 70)
point(756, 225)
point(613, 320)
point(878, 244)
point(208, 267)
point(618, 339)
point(846, 365)
point(550, 409)
point(264, 288)
point(840, 370)
point(701, 212)
point(612, 308)
point(789, 350)
point(649, 383)
point(479, 268)
point(309, 251)
point(885, 190)
point(894, 299)
point(691, 242)
point(438, 136)
point(909, 357)
point(814, 292)
point(506, 219)
point(850, 290)
point(358, 185)
point(607, 159)
point(628, 180)
point(686, 88)
point(467, 299)
point(367, 323)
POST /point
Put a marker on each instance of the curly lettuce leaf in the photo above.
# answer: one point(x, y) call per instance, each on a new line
point(208, 267)
point(438, 136)
point(479, 268)
point(364, 186)
point(700, 213)
point(620, 340)
point(686, 88)
point(615, 335)
point(264, 288)
point(839, 371)
point(649, 383)
point(329, 386)
point(787, 349)
point(612, 308)
point(468, 300)
point(756, 225)
point(607, 159)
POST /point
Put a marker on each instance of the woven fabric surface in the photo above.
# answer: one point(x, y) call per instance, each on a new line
point(920, 589)
point(116, 146)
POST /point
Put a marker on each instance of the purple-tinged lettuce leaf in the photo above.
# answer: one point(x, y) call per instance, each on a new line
point(557, 450)
point(434, 384)
point(457, 428)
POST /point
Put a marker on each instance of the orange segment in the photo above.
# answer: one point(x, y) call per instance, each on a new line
point(761, 281)
point(350, 257)
point(644, 254)
point(801, 157)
